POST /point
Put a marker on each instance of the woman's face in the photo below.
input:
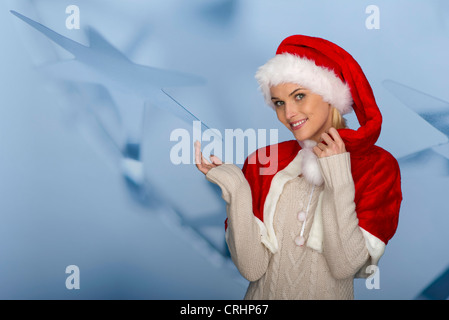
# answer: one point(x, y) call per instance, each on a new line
point(304, 113)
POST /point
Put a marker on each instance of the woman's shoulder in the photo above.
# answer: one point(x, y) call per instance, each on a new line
point(376, 166)
point(375, 157)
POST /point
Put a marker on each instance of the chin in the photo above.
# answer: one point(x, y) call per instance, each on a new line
point(301, 137)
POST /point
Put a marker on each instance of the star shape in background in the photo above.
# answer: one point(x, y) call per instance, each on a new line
point(98, 73)
point(110, 115)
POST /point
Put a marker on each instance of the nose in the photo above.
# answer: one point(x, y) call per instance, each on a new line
point(290, 110)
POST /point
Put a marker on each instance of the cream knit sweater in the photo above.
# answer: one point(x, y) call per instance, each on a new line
point(296, 272)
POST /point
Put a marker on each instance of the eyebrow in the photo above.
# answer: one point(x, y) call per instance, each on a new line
point(292, 93)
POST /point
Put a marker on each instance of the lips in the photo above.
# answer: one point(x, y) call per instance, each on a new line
point(298, 124)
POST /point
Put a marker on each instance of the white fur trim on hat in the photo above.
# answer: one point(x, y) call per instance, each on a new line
point(286, 67)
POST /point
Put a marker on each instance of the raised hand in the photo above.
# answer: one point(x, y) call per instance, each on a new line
point(202, 163)
point(334, 144)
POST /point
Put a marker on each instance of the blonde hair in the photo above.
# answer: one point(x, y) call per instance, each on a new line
point(338, 122)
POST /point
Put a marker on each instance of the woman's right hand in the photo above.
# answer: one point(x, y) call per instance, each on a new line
point(201, 163)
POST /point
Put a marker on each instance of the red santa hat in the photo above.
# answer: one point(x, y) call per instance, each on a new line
point(330, 71)
point(308, 67)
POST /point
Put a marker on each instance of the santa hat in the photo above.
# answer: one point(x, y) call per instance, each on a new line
point(330, 71)
point(290, 66)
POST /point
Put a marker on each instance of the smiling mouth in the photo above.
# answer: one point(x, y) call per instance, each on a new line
point(298, 124)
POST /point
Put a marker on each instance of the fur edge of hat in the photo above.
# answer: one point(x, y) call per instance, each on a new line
point(286, 67)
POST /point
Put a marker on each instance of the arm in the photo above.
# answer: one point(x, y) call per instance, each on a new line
point(344, 244)
point(378, 200)
point(242, 234)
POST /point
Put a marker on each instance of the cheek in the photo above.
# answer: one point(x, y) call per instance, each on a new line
point(325, 111)
point(319, 111)
point(281, 117)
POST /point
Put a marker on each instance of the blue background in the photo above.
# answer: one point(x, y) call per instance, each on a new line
point(85, 172)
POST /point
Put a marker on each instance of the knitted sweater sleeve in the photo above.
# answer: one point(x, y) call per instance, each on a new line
point(343, 241)
point(242, 233)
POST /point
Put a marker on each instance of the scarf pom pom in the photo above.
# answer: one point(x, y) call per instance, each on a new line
point(310, 167)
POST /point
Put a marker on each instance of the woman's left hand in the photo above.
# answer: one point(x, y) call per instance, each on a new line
point(201, 163)
point(334, 144)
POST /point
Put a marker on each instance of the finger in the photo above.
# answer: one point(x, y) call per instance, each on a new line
point(202, 167)
point(317, 151)
point(205, 160)
point(216, 160)
point(321, 146)
point(335, 135)
point(327, 138)
point(197, 152)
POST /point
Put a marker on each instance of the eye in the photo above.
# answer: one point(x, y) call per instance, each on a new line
point(279, 103)
point(300, 96)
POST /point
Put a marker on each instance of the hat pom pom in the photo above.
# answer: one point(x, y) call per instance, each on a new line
point(310, 168)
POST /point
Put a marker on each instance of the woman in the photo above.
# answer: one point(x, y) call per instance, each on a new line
point(306, 230)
